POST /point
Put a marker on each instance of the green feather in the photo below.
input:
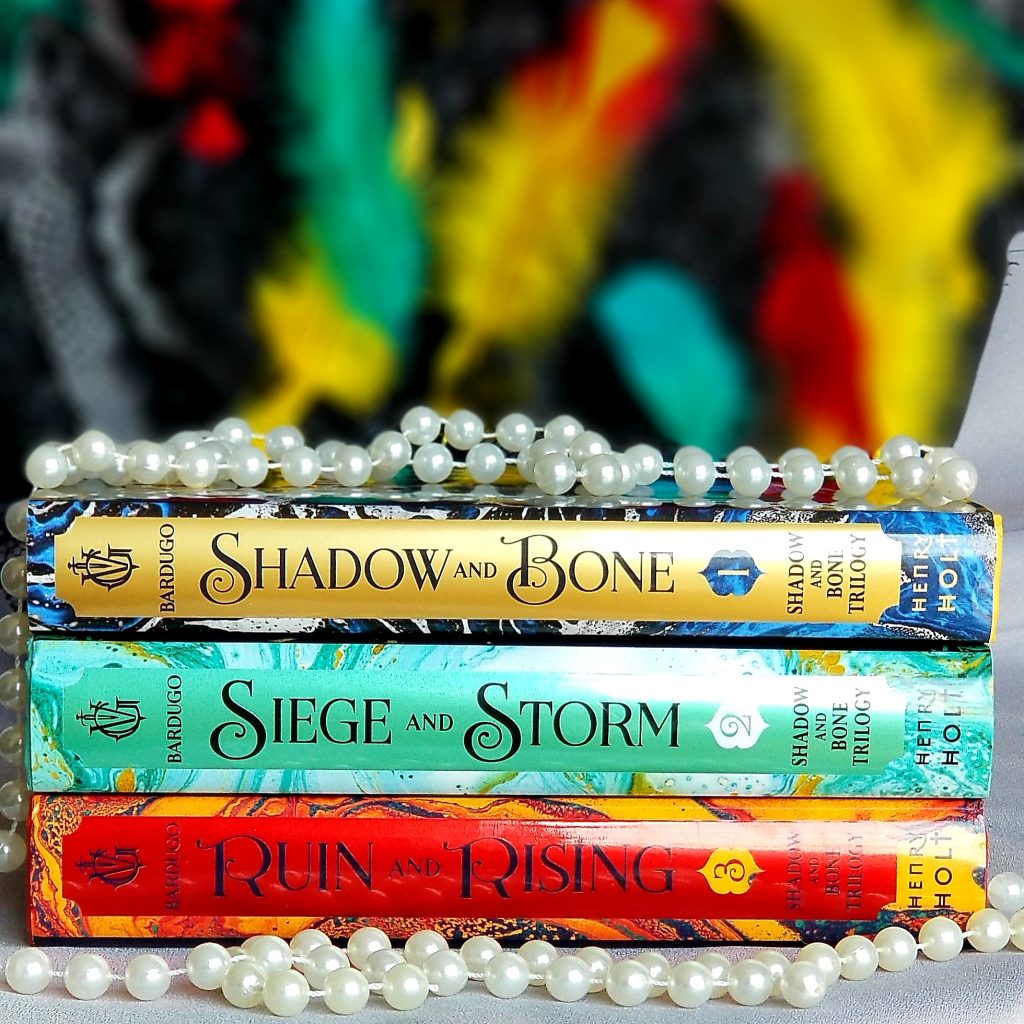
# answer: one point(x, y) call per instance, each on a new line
point(362, 213)
point(674, 354)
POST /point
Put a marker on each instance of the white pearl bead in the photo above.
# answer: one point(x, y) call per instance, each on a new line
point(421, 425)
point(353, 466)
point(856, 475)
point(446, 972)
point(236, 951)
point(303, 943)
point(321, 961)
point(363, 942)
point(14, 633)
point(899, 447)
point(988, 931)
point(247, 466)
point(16, 520)
point(956, 479)
point(206, 965)
point(937, 456)
point(790, 453)
point(379, 962)
point(329, 452)
point(555, 473)
point(694, 471)
point(464, 429)
point(285, 993)
point(858, 957)
point(941, 939)
point(649, 463)
point(803, 475)
point(477, 950)
point(563, 429)
point(300, 466)
point(1017, 929)
point(87, 976)
point(147, 976)
point(599, 962)
point(824, 957)
point(405, 987)
point(750, 983)
point(690, 984)
point(601, 475)
point(897, 948)
point(627, 474)
point(233, 431)
point(845, 452)
point(13, 685)
point(12, 744)
point(116, 474)
point(346, 990)
point(183, 440)
point(13, 577)
point(515, 432)
point(506, 975)
point(1006, 892)
point(657, 967)
point(738, 453)
point(47, 466)
point(628, 983)
point(423, 944)
point(539, 955)
point(147, 462)
point(719, 966)
point(243, 984)
point(432, 463)
point(197, 467)
point(389, 452)
point(485, 462)
point(28, 971)
point(568, 979)
point(270, 952)
point(14, 800)
point(776, 962)
point(587, 443)
point(803, 985)
point(912, 476)
point(93, 451)
point(12, 851)
point(750, 475)
point(280, 440)
point(528, 457)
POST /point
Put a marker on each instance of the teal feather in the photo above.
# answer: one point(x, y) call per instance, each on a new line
point(15, 19)
point(365, 217)
point(675, 355)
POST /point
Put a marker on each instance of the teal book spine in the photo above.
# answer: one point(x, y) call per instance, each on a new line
point(523, 720)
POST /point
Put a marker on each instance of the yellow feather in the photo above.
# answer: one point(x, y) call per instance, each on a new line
point(320, 351)
point(907, 138)
point(518, 219)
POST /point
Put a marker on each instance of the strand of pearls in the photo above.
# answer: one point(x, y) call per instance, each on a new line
point(556, 458)
point(265, 970)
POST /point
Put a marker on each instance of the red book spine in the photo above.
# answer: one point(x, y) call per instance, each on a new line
point(172, 866)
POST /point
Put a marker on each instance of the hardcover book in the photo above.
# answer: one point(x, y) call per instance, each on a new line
point(613, 869)
point(518, 719)
point(505, 562)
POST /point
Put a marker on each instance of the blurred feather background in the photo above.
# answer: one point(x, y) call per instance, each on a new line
point(686, 221)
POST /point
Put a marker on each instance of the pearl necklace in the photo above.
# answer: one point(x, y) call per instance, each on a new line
point(285, 976)
point(554, 458)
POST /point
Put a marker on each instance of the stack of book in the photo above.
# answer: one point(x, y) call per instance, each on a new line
point(639, 719)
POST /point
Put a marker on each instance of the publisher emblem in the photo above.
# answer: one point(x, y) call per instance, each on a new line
point(114, 868)
point(737, 727)
point(117, 722)
point(730, 871)
point(731, 573)
point(110, 571)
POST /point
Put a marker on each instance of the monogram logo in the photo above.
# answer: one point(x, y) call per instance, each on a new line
point(730, 872)
point(118, 722)
point(117, 868)
point(737, 726)
point(111, 570)
point(731, 573)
